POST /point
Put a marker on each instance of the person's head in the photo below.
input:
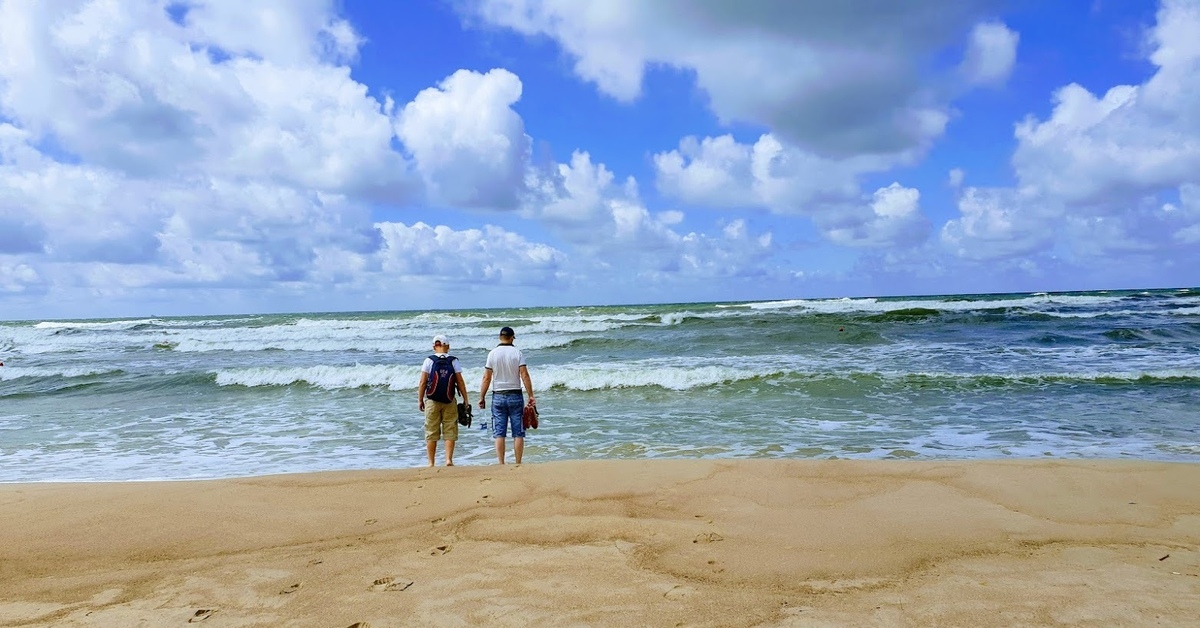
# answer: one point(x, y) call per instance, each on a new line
point(507, 334)
point(441, 344)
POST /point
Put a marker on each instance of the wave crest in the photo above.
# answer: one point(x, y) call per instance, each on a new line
point(391, 377)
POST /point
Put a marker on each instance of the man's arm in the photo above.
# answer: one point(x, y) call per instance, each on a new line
point(421, 391)
point(528, 384)
point(462, 387)
point(487, 381)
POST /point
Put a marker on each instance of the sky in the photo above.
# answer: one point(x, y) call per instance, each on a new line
point(191, 157)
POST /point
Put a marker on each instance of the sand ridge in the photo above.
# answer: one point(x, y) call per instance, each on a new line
point(608, 543)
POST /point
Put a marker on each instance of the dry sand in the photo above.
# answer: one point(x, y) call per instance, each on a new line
point(616, 543)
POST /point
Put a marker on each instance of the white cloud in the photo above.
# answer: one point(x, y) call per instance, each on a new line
point(429, 254)
point(16, 277)
point(955, 178)
point(714, 171)
point(289, 32)
point(195, 148)
point(76, 213)
point(215, 148)
point(838, 78)
point(991, 54)
point(123, 87)
point(1094, 179)
point(893, 218)
point(191, 145)
point(720, 172)
point(469, 143)
point(1133, 139)
point(998, 223)
point(575, 197)
point(1187, 215)
point(611, 226)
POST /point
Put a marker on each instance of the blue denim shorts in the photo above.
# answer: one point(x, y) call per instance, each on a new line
point(507, 409)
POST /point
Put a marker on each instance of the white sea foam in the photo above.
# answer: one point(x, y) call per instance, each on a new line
point(332, 340)
point(91, 325)
point(576, 326)
point(663, 373)
point(10, 373)
point(387, 376)
point(571, 376)
point(670, 373)
point(313, 338)
point(386, 335)
point(849, 305)
point(1046, 376)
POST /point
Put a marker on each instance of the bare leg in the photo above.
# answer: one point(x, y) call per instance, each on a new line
point(518, 448)
point(430, 450)
point(500, 449)
point(449, 453)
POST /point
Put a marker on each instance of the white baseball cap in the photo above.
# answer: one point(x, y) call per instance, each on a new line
point(441, 340)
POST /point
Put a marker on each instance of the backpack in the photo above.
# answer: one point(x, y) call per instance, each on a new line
point(440, 384)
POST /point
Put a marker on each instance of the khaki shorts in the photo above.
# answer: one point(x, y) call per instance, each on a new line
point(441, 420)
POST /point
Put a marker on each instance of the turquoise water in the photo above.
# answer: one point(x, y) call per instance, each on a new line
point(1074, 375)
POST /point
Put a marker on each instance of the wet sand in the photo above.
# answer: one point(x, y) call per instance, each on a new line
point(616, 543)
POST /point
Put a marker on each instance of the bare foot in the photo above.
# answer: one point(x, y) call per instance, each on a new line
point(449, 464)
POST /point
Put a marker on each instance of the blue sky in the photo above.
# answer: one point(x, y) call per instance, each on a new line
point(187, 157)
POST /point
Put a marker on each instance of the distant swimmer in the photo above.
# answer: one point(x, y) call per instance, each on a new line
point(841, 329)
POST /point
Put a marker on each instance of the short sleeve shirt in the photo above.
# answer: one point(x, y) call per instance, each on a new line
point(505, 362)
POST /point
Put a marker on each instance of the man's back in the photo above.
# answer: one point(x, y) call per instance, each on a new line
point(505, 362)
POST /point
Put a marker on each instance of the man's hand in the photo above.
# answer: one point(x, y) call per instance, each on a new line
point(482, 405)
point(421, 405)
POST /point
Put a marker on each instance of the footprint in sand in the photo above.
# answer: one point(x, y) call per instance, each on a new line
point(202, 615)
point(708, 537)
point(359, 624)
point(390, 583)
point(625, 547)
point(485, 480)
point(291, 588)
point(371, 522)
point(678, 592)
point(441, 549)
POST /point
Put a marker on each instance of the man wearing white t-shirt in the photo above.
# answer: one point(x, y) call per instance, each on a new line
point(505, 369)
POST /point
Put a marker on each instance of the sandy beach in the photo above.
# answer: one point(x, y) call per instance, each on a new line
point(616, 543)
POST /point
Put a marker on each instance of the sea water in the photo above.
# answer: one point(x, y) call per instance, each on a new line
point(1065, 375)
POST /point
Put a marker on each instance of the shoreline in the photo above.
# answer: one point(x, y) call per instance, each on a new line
point(490, 457)
point(762, 542)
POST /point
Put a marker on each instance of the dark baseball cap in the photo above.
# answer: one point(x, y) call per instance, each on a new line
point(507, 332)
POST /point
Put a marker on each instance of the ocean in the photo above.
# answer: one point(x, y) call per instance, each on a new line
point(1110, 374)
